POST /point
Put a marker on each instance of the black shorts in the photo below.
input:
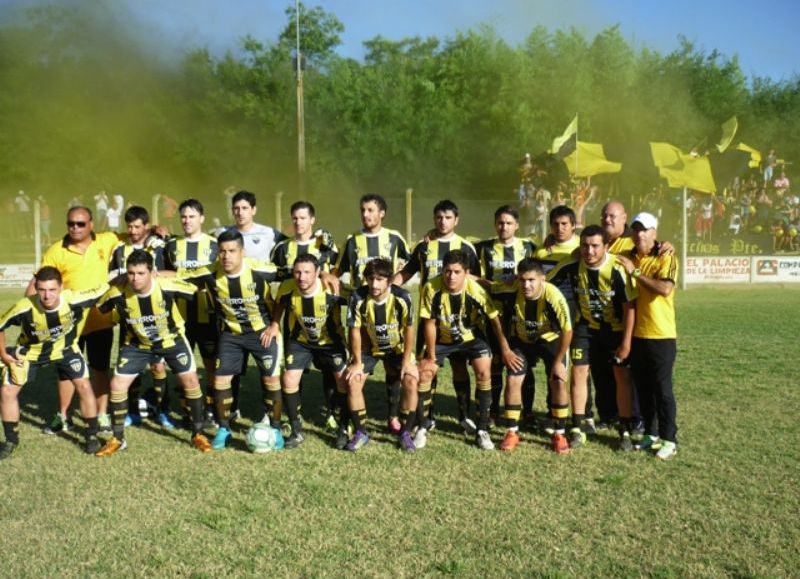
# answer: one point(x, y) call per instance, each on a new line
point(588, 342)
point(532, 353)
point(205, 337)
point(332, 357)
point(472, 350)
point(392, 363)
point(133, 360)
point(98, 348)
point(71, 367)
point(234, 348)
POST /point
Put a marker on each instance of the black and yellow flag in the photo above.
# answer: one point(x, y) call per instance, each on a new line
point(566, 143)
point(728, 132)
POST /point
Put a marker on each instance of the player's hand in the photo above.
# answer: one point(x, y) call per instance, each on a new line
point(409, 369)
point(558, 372)
point(268, 335)
point(626, 263)
point(11, 359)
point(665, 248)
point(331, 282)
point(622, 352)
point(354, 370)
point(160, 230)
point(512, 360)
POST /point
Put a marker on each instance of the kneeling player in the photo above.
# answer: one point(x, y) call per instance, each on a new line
point(313, 333)
point(538, 318)
point(153, 327)
point(382, 315)
point(453, 311)
point(49, 324)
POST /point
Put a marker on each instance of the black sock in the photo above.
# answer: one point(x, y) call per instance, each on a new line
point(118, 406)
point(11, 430)
point(497, 392)
point(273, 404)
point(528, 392)
point(292, 401)
point(408, 418)
point(484, 403)
point(462, 398)
point(162, 394)
point(92, 427)
point(222, 401)
point(393, 396)
point(359, 416)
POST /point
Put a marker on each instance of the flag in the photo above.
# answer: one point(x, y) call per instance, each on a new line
point(755, 156)
point(590, 159)
point(728, 131)
point(566, 143)
point(682, 170)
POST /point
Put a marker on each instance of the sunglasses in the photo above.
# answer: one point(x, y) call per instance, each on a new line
point(76, 224)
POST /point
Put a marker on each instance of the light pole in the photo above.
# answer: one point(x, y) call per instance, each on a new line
point(301, 123)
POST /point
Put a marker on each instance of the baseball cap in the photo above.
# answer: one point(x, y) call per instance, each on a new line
point(646, 220)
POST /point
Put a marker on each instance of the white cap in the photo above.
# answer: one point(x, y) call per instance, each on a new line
point(646, 220)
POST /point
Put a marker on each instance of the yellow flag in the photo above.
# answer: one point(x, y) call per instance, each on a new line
point(563, 145)
point(755, 155)
point(728, 131)
point(682, 170)
point(590, 159)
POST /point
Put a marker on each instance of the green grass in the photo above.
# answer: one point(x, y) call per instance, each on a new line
point(727, 505)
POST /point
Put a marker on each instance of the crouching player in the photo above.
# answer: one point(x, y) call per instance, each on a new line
point(380, 318)
point(153, 329)
point(49, 321)
point(454, 310)
point(538, 318)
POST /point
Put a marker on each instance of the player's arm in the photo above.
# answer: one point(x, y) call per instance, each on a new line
point(410, 268)
point(628, 321)
point(356, 366)
point(274, 328)
point(662, 287)
point(9, 358)
point(429, 331)
point(409, 339)
point(559, 369)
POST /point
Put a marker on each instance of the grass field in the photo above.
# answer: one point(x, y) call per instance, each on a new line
point(727, 505)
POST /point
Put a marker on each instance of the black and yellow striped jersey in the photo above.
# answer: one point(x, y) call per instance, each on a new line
point(384, 322)
point(185, 257)
point(316, 319)
point(553, 256)
point(427, 257)
point(499, 260)
point(150, 320)
point(154, 246)
point(243, 301)
point(621, 245)
point(459, 317)
point(45, 335)
point(655, 314)
point(361, 248)
point(531, 320)
point(600, 293)
point(288, 250)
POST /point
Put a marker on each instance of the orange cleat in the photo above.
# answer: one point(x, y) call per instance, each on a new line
point(560, 444)
point(113, 446)
point(201, 443)
point(510, 441)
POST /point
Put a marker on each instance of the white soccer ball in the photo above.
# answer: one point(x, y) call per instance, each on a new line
point(262, 438)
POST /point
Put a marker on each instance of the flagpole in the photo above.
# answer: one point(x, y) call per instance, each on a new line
point(684, 236)
point(577, 152)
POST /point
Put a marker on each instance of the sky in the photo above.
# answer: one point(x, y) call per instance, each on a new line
point(763, 34)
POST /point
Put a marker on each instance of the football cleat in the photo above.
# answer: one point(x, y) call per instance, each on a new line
point(469, 426)
point(58, 424)
point(92, 445)
point(113, 446)
point(201, 443)
point(483, 440)
point(577, 438)
point(667, 451)
point(331, 424)
point(649, 442)
point(294, 440)
point(510, 441)
point(133, 420)
point(221, 439)
point(406, 442)
point(342, 438)
point(421, 438)
point(359, 440)
point(104, 422)
point(625, 442)
point(7, 449)
point(165, 421)
point(560, 444)
point(588, 426)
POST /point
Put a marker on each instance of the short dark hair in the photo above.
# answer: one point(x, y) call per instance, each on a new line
point(135, 212)
point(506, 210)
point(244, 196)
point(307, 258)
point(530, 264)
point(75, 208)
point(592, 230)
point(297, 205)
point(561, 211)
point(379, 267)
point(445, 205)
point(139, 257)
point(373, 198)
point(231, 234)
point(455, 256)
point(48, 273)
point(191, 204)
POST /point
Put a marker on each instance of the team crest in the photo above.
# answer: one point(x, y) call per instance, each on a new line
point(76, 365)
point(183, 359)
point(267, 361)
point(337, 360)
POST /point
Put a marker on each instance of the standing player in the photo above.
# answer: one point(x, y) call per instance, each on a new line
point(454, 310)
point(653, 350)
point(373, 241)
point(381, 322)
point(312, 322)
point(49, 324)
point(241, 292)
point(539, 328)
point(498, 259)
point(186, 256)
point(427, 259)
point(602, 330)
point(259, 240)
point(153, 329)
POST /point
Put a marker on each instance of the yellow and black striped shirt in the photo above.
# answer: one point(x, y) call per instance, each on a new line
point(459, 317)
point(600, 293)
point(46, 334)
point(154, 246)
point(385, 322)
point(243, 301)
point(530, 320)
point(499, 261)
point(151, 320)
point(553, 256)
point(427, 257)
point(315, 320)
point(288, 250)
point(655, 314)
point(186, 257)
point(361, 248)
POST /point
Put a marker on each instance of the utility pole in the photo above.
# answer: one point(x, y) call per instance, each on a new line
point(301, 123)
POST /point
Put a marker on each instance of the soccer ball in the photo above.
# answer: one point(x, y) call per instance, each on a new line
point(262, 438)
